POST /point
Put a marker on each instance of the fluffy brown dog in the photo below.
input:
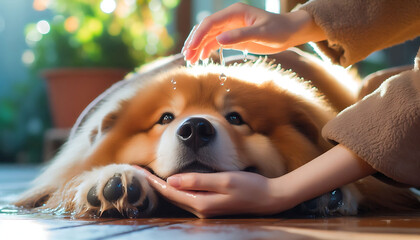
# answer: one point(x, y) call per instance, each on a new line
point(173, 119)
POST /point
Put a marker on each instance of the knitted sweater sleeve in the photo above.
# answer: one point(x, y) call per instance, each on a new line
point(356, 28)
point(384, 128)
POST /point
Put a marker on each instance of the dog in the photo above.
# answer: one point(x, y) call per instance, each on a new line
point(174, 119)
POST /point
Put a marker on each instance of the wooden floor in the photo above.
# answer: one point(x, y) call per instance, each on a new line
point(20, 224)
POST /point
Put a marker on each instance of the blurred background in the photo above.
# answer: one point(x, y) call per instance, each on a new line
point(47, 46)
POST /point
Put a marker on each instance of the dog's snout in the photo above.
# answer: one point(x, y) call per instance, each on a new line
point(196, 133)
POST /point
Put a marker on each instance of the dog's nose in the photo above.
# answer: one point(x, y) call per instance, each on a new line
point(196, 133)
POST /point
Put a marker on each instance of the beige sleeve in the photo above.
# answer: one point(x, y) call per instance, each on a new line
point(356, 28)
point(384, 127)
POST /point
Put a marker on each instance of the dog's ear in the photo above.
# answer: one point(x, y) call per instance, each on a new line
point(304, 124)
point(107, 123)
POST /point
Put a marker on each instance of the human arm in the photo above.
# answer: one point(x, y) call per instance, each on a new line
point(244, 27)
point(384, 128)
point(225, 193)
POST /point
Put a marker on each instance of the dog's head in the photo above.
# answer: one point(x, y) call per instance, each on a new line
point(187, 120)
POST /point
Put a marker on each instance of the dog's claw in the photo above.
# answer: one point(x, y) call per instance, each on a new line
point(114, 188)
point(144, 205)
point(92, 197)
point(133, 191)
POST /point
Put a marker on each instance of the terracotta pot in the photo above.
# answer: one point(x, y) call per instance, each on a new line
point(72, 89)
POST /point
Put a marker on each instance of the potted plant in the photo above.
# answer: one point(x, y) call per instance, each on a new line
point(90, 44)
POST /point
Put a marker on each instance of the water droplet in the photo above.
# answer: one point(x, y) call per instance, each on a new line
point(222, 78)
point(222, 59)
point(245, 52)
point(188, 64)
point(132, 213)
point(173, 84)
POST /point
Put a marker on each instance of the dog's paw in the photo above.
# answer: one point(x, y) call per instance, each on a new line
point(116, 189)
point(339, 202)
point(325, 205)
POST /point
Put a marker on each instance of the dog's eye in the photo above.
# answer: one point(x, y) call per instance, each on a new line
point(234, 118)
point(166, 118)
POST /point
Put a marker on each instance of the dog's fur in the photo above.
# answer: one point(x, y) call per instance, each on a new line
point(262, 119)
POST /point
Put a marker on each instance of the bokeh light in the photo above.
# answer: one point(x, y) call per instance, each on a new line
point(125, 8)
point(114, 29)
point(201, 15)
point(41, 5)
point(272, 6)
point(155, 5)
point(130, 2)
point(152, 41)
point(28, 57)
point(170, 3)
point(108, 6)
point(43, 27)
point(32, 37)
point(71, 24)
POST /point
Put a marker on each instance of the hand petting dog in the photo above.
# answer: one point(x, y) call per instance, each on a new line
point(243, 27)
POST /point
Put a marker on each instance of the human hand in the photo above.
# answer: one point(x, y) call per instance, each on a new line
point(224, 193)
point(244, 27)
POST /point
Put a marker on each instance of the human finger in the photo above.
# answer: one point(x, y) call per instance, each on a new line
point(255, 48)
point(201, 204)
point(207, 51)
point(210, 182)
point(188, 40)
point(168, 191)
point(230, 17)
point(207, 44)
point(184, 200)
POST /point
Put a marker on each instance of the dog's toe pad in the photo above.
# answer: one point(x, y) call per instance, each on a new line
point(134, 191)
point(92, 197)
point(113, 189)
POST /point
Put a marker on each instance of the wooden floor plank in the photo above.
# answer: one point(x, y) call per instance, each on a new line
point(17, 223)
point(209, 232)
